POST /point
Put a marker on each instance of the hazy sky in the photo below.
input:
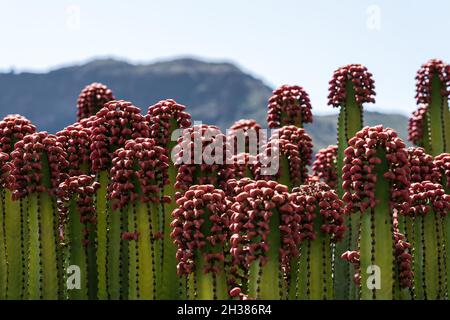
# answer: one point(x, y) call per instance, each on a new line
point(294, 42)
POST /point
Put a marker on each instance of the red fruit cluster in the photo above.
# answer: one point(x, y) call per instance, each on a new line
point(12, 129)
point(422, 166)
point(359, 175)
point(288, 105)
point(404, 260)
point(307, 198)
point(424, 77)
point(92, 98)
point(251, 210)
point(140, 161)
point(354, 258)
point(202, 156)
point(293, 143)
point(82, 188)
point(162, 118)
point(4, 169)
point(36, 158)
point(361, 80)
point(427, 196)
point(249, 130)
point(76, 142)
point(114, 124)
point(442, 163)
point(416, 125)
point(200, 222)
point(324, 167)
point(244, 162)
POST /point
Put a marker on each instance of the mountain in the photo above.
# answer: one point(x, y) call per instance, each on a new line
point(215, 93)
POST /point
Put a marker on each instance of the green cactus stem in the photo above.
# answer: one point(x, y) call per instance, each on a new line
point(376, 179)
point(429, 126)
point(350, 87)
point(199, 230)
point(113, 125)
point(321, 224)
point(166, 118)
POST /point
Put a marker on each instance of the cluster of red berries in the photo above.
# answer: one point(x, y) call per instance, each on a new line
point(251, 210)
point(114, 124)
point(200, 222)
point(427, 196)
point(422, 165)
point(12, 129)
point(359, 171)
point(307, 198)
point(356, 75)
point(4, 169)
point(442, 163)
point(140, 161)
point(76, 141)
point(83, 189)
point(324, 167)
point(39, 163)
point(403, 259)
point(354, 258)
point(247, 131)
point(202, 157)
point(289, 105)
point(424, 78)
point(244, 163)
point(165, 116)
point(92, 98)
point(416, 124)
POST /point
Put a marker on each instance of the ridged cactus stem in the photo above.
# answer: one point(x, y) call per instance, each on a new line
point(439, 119)
point(102, 236)
point(3, 260)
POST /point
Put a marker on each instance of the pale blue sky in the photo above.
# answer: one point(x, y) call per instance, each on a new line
point(283, 41)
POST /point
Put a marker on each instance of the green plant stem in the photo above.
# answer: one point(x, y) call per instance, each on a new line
point(133, 257)
point(438, 119)
point(102, 235)
point(35, 250)
point(114, 255)
point(349, 123)
point(3, 257)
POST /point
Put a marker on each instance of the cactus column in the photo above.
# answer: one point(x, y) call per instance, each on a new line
point(350, 87)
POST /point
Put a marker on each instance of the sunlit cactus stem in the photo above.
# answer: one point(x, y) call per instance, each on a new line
point(166, 118)
point(321, 224)
point(4, 171)
point(39, 162)
point(113, 125)
point(350, 87)
point(430, 125)
point(376, 177)
point(138, 176)
point(200, 231)
point(14, 212)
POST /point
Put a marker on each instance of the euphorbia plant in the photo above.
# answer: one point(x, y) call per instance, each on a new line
point(12, 129)
point(200, 232)
point(138, 176)
point(76, 223)
point(289, 105)
point(92, 98)
point(113, 125)
point(350, 87)
point(321, 223)
point(246, 136)
point(376, 178)
point(38, 165)
point(166, 119)
point(432, 93)
point(324, 167)
point(264, 235)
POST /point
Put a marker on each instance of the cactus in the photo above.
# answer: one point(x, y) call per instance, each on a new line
point(39, 162)
point(321, 223)
point(289, 105)
point(138, 176)
point(350, 87)
point(12, 129)
point(113, 125)
point(77, 221)
point(376, 180)
point(92, 98)
point(246, 136)
point(292, 147)
point(166, 118)
point(324, 167)
point(200, 231)
point(430, 124)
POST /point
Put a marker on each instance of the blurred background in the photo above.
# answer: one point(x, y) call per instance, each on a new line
point(221, 59)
